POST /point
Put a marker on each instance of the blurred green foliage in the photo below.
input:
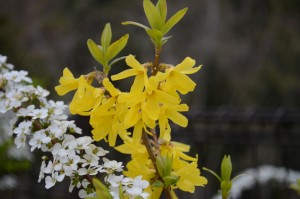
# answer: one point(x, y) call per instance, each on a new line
point(11, 165)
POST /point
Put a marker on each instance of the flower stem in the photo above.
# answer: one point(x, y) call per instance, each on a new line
point(155, 66)
point(147, 143)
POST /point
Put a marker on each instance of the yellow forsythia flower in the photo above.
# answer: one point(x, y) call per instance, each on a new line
point(150, 101)
point(85, 98)
point(136, 168)
point(106, 118)
point(67, 83)
point(177, 78)
point(189, 177)
point(137, 70)
point(177, 150)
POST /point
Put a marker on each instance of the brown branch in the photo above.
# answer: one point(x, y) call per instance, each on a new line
point(147, 143)
point(155, 67)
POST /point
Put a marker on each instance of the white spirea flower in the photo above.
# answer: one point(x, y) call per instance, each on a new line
point(39, 113)
point(20, 140)
point(111, 166)
point(114, 180)
point(51, 180)
point(134, 187)
point(17, 76)
point(2, 59)
point(38, 139)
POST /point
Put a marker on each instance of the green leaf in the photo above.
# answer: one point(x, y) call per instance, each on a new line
point(170, 180)
point(157, 184)
point(168, 164)
point(135, 24)
point(121, 196)
point(106, 37)
point(225, 188)
point(160, 165)
point(138, 197)
point(152, 15)
point(101, 190)
point(96, 51)
point(173, 20)
point(156, 36)
point(161, 6)
point(226, 168)
point(116, 47)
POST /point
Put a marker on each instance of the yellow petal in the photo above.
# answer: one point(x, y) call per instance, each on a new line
point(137, 131)
point(132, 116)
point(147, 120)
point(110, 87)
point(151, 107)
point(151, 83)
point(124, 74)
point(177, 118)
point(181, 107)
point(138, 85)
point(166, 98)
point(132, 62)
point(156, 193)
point(67, 76)
point(68, 83)
point(190, 177)
point(183, 83)
point(186, 66)
point(164, 128)
point(181, 147)
point(82, 104)
point(98, 135)
point(112, 136)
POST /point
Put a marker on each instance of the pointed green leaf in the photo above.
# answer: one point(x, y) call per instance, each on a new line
point(225, 188)
point(157, 183)
point(226, 168)
point(160, 165)
point(116, 47)
point(173, 20)
point(156, 36)
point(106, 37)
point(96, 51)
point(101, 190)
point(170, 180)
point(168, 164)
point(121, 196)
point(161, 6)
point(135, 24)
point(152, 15)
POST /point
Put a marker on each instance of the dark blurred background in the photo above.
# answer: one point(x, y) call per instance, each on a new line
point(246, 103)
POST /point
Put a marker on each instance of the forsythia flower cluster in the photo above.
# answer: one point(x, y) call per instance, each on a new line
point(42, 124)
point(153, 100)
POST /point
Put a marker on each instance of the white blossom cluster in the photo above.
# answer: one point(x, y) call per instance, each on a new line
point(42, 124)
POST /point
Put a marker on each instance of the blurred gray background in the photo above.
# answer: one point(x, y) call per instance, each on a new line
point(246, 103)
